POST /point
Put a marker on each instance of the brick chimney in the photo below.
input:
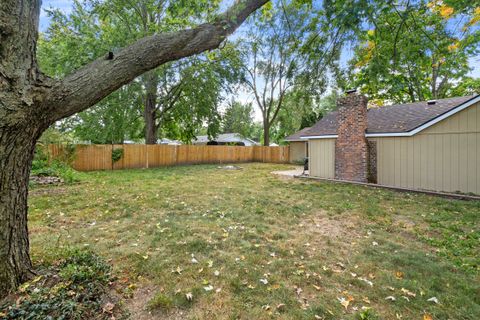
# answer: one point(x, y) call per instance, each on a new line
point(351, 150)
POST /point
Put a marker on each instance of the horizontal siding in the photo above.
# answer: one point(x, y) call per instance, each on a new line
point(297, 151)
point(444, 157)
point(322, 158)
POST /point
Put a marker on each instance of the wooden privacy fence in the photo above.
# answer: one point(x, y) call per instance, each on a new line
point(99, 157)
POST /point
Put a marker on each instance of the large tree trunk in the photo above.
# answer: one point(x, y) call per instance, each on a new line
point(150, 108)
point(266, 132)
point(21, 88)
point(150, 122)
point(16, 153)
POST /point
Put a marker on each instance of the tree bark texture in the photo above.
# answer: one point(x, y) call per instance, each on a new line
point(150, 108)
point(16, 153)
point(266, 132)
point(30, 102)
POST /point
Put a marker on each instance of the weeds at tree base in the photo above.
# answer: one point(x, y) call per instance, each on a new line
point(76, 287)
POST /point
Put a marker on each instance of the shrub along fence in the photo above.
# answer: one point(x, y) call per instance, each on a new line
point(105, 157)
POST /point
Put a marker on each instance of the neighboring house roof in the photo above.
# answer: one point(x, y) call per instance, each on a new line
point(226, 138)
point(296, 136)
point(169, 142)
point(398, 119)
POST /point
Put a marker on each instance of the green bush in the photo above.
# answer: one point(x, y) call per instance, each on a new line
point(82, 266)
point(117, 154)
point(40, 160)
point(56, 168)
point(59, 167)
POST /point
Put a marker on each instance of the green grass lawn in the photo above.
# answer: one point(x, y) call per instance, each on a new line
point(249, 245)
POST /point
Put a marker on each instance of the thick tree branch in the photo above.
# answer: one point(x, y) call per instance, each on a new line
point(90, 84)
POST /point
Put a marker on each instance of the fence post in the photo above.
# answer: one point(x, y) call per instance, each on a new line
point(146, 155)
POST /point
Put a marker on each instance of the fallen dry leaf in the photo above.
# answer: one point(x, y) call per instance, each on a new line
point(433, 299)
point(298, 290)
point(370, 283)
point(427, 316)
point(108, 307)
point(408, 293)
point(345, 301)
point(178, 270)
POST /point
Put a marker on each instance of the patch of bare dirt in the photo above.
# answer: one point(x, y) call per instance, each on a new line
point(137, 306)
point(46, 191)
point(345, 227)
point(404, 223)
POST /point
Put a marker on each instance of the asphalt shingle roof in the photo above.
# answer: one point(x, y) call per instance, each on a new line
point(296, 136)
point(395, 118)
point(225, 137)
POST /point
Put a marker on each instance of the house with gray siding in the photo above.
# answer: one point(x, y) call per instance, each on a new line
point(429, 145)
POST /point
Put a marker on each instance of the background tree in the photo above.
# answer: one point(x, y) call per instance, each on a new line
point(468, 86)
point(298, 113)
point(163, 92)
point(413, 54)
point(30, 102)
point(71, 41)
point(292, 49)
point(112, 121)
point(238, 118)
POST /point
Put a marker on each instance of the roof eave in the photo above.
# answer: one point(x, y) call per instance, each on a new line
point(327, 136)
point(294, 140)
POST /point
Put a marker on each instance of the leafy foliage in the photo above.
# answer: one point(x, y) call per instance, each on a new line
point(291, 51)
point(117, 154)
point(238, 118)
point(55, 168)
point(75, 288)
point(299, 113)
point(60, 167)
point(413, 54)
point(168, 98)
